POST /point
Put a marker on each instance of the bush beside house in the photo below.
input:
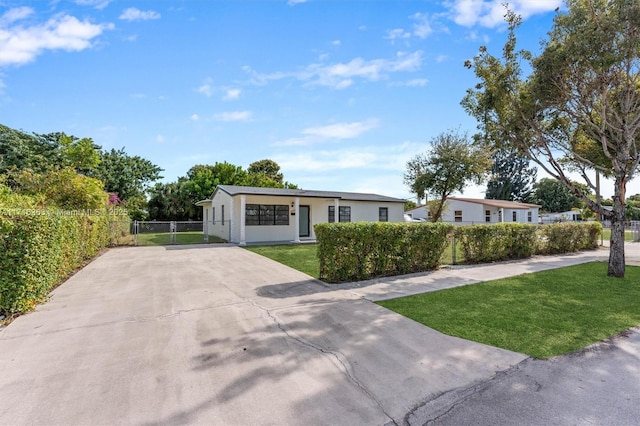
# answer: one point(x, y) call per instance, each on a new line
point(365, 250)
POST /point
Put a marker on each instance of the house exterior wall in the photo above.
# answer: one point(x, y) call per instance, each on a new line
point(318, 213)
point(476, 213)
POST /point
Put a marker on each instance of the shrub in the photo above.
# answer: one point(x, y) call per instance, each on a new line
point(568, 237)
point(364, 250)
point(39, 247)
point(490, 243)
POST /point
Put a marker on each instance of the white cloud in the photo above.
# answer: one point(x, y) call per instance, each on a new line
point(98, 4)
point(342, 75)
point(336, 131)
point(336, 43)
point(294, 2)
point(232, 94)
point(390, 158)
point(233, 116)
point(133, 14)
point(206, 88)
point(160, 139)
point(397, 34)
point(21, 45)
point(490, 13)
point(442, 58)
point(422, 28)
point(195, 117)
point(416, 82)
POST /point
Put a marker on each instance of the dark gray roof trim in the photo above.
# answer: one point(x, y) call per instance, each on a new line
point(280, 192)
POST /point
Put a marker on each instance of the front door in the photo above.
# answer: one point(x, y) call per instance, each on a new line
point(305, 225)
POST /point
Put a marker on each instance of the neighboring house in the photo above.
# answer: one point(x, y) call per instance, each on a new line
point(244, 214)
point(469, 211)
point(568, 216)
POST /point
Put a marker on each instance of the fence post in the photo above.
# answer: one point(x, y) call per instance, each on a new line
point(453, 247)
point(172, 232)
point(135, 233)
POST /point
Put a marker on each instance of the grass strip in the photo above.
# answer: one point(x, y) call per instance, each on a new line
point(303, 257)
point(541, 314)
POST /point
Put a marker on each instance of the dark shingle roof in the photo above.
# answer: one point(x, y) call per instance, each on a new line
point(353, 196)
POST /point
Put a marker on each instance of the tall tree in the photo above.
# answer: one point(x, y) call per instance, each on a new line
point(129, 177)
point(451, 164)
point(553, 196)
point(579, 109)
point(511, 177)
point(267, 168)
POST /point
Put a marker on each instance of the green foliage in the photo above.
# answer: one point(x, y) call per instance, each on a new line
point(410, 205)
point(511, 177)
point(364, 250)
point(176, 200)
point(553, 196)
point(39, 247)
point(568, 237)
point(501, 241)
point(578, 109)
point(80, 154)
point(449, 166)
point(21, 151)
point(63, 188)
point(125, 175)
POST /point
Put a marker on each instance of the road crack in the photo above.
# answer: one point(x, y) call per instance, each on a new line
point(339, 357)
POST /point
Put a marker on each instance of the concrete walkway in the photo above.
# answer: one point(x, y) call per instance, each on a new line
point(219, 335)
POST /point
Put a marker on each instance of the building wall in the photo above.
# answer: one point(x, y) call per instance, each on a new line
point(475, 213)
point(319, 213)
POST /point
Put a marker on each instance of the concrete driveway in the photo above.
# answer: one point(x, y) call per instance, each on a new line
point(219, 335)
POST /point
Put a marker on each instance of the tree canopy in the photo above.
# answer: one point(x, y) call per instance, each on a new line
point(452, 163)
point(579, 109)
point(511, 177)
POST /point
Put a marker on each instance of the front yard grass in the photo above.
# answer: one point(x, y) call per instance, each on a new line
point(606, 234)
point(303, 257)
point(541, 314)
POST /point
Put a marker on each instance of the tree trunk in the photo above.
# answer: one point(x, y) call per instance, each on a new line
point(616, 246)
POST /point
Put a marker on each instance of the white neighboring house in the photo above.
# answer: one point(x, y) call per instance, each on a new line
point(245, 214)
point(469, 211)
point(568, 216)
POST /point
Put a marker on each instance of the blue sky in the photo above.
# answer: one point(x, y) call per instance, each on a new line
point(340, 93)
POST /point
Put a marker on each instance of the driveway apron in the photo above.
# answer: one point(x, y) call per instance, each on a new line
point(215, 334)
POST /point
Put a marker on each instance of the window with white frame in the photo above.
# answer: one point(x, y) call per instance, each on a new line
point(487, 215)
point(457, 216)
point(529, 216)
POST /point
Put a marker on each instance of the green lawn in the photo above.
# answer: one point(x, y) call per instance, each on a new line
point(164, 238)
point(541, 314)
point(303, 257)
point(606, 234)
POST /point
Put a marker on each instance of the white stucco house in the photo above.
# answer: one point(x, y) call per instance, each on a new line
point(469, 211)
point(244, 214)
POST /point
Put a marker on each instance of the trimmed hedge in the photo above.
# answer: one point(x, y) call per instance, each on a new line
point(365, 250)
point(568, 237)
point(40, 248)
point(501, 241)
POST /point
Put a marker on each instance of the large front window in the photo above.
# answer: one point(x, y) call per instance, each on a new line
point(266, 214)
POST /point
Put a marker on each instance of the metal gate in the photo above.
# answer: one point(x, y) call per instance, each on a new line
point(157, 233)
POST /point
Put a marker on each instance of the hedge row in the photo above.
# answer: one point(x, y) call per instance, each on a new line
point(365, 250)
point(501, 241)
point(568, 237)
point(38, 250)
point(489, 243)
